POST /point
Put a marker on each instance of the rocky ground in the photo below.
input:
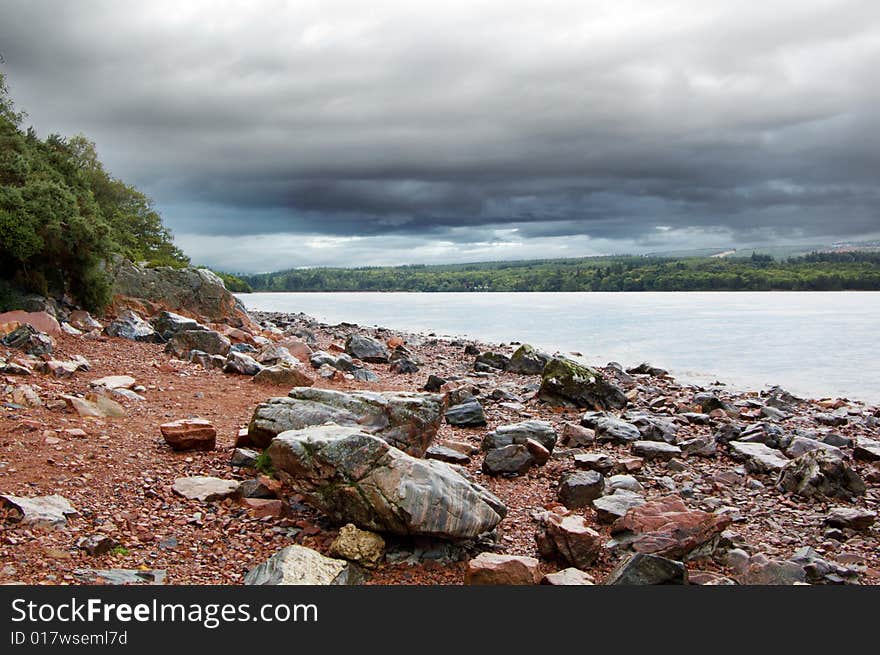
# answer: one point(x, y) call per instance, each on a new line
point(711, 459)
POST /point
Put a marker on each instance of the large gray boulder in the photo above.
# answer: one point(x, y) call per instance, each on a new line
point(527, 361)
point(355, 477)
point(565, 382)
point(405, 420)
point(168, 324)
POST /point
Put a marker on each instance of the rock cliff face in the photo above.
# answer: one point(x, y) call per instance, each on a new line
point(358, 478)
point(194, 291)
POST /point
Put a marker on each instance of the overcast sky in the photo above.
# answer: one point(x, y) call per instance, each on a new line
point(280, 134)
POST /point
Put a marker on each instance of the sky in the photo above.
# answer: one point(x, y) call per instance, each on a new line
point(276, 135)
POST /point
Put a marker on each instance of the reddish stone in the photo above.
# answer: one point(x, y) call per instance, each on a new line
point(630, 464)
point(667, 527)
point(538, 452)
point(495, 569)
point(243, 439)
point(41, 321)
point(297, 348)
point(263, 507)
point(570, 539)
point(189, 434)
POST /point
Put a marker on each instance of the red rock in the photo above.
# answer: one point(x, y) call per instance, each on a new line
point(297, 348)
point(667, 527)
point(495, 569)
point(82, 320)
point(393, 342)
point(570, 539)
point(263, 507)
point(243, 439)
point(538, 452)
point(630, 464)
point(189, 434)
point(39, 320)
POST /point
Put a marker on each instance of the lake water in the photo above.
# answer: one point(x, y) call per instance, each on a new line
point(815, 344)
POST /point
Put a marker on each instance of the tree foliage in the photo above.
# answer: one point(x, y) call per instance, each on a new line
point(62, 214)
point(814, 272)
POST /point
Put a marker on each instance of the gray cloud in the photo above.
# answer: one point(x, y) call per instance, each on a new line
point(582, 125)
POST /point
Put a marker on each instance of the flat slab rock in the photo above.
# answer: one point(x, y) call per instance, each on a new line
point(298, 565)
point(204, 488)
point(114, 382)
point(758, 457)
point(189, 434)
point(121, 576)
point(355, 477)
point(497, 569)
point(41, 511)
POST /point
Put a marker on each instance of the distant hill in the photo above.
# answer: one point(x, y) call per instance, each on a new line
point(820, 271)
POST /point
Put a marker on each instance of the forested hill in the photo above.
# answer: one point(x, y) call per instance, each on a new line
point(832, 271)
point(62, 216)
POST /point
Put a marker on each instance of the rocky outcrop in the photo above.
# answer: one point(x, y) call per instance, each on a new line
point(355, 477)
point(194, 291)
point(298, 565)
point(408, 421)
point(565, 382)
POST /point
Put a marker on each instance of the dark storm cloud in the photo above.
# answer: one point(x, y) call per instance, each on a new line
point(606, 125)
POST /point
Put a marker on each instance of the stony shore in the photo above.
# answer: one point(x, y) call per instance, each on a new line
point(709, 471)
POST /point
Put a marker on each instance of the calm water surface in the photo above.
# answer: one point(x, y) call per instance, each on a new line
point(815, 344)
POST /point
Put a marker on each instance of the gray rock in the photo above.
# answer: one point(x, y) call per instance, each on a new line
point(168, 324)
point(614, 430)
point(513, 459)
point(298, 565)
point(241, 364)
point(468, 414)
point(801, 445)
point(96, 544)
point(565, 382)
point(519, 433)
point(644, 569)
point(367, 349)
point(490, 361)
point(867, 450)
point(833, 420)
point(204, 359)
point(243, 457)
point(614, 506)
point(594, 462)
point(448, 455)
point(820, 473)
point(321, 358)
point(29, 340)
point(764, 571)
point(580, 488)
point(207, 341)
point(408, 421)
point(651, 450)
point(758, 457)
point(854, 518)
point(129, 325)
point(527, 361)
point(284, 375)
point(646, 369)
point(120, 576)
point(364, 375)
point(623, 481)
point(652, 428)
point(701, 446)
point(204, 488)
point(40, 511)
point(355, 477)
